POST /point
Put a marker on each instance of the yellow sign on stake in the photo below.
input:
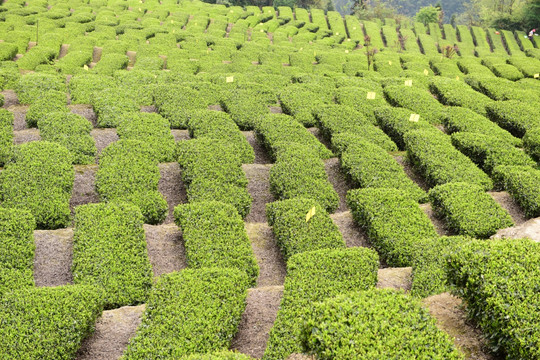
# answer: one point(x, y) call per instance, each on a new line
point(408, 82)
point(457, 77)
point(310, 213)
point(370, 95)
point(229, 79)
point(414, 117)
point(389, 62)
point(426, 72)
point(536, 76)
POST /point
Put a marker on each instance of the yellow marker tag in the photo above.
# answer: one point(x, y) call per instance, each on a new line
point(348, 39)
point(457, 77)
point(426, 72)
point(85, 67)
point(536, 76)
point(346, 51)
point(229, 79)
point(389, 63)
point(370, 95)
point(172, 21)
point(261, 30)
point(337, 33)
point(354, 28)
point(414, 117)
point(408, 82)
point(300, 49)
point(310, 213)
point(140, 9)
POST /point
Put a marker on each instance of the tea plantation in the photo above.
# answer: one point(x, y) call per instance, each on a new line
point(183, 180)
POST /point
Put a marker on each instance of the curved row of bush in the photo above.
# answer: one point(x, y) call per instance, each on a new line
point(522, 182)
point(6, 136)
point(457, 93)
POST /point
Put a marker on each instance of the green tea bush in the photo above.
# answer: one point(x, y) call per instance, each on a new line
point(50, 101)
point(31, 87)
point(418, 100)
point(73, 132)
point(48, 323)
point(393, 221)
point(7, 51)
point(507, 71)
point(109, 251)
point(109, 63)
point(522, 183)
point(377, 323)
point(274, 129)
point(176, 102)
point(6, 136)
point(489, 151)
point(295, 234)
point(137, 85)
point(314, 276)
point(502, 89)
point(299, 100)
point(299, 172)
point(357, 98)
point(468, 210)
point(528, 66)
point(369, 166)
point(499, 280)
point(128, 171)
point(214, 236)
point(111, 106)
point(212, 171)
point(514, 116)
point(396, 122)
point(219, 125)
point(531, 142)
point(448, 69)
point(433, 155)
point(82, 87)
point(39, 179)
point(190, 312)
point(245, 109)
point(457, 93)
point(36, 56)
point(153, 130)
point(74, 61)
point(16, 249)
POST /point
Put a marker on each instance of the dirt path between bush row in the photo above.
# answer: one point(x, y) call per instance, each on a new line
point(261, 155)
point(353, 234)
point(509, 204)
point(438, 223)
point(53, 257)
point(171, 187)
point(258, 176)
point(84, 191)
point(165, 248)
point(338, 181)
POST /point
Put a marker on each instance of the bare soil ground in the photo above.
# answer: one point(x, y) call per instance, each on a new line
point(113, 330)
point(84, 191)
point(338, 181)
point(172, 187)
point(259, 189)
point(215, 107)
point(257, 320)
point(261, 156)
point(315, 131)
point(272, 266)
point(26, 135)
point(395, 278)
point(439, 224)
point(103, 138)
point(10, 98)
point(411, 173)
point(509, 204)
point(63, 50)
point(276, 110)
point(19, 114)
point(180, 135)
point(85, 111)
point(53, 257)
point(451, 318)
point(353, 234)
point(165, 248)
point(529, 229)
point(149, 109)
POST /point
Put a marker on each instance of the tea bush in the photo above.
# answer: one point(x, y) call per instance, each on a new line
point(457, 93)
point(111, 106)
point(51, 101)
point(514, 116)
point(6, 136)
point(31, 87)
point(522, 183)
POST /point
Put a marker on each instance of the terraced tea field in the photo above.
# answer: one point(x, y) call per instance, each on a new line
point(191, 181)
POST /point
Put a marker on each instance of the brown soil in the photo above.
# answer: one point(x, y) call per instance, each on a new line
point(85, 111)
point(276, 110)
point(317, 133)
point(132, 56)
point(509, 204)
point(63, 50)
point(338, 181)
point(172, 187)
point(10, 98)
point(259, 189)
point(353, 235)
point(149, 109)
point(103, 138)
point(529, 229)
point(114, 329)
point(96, 54)
point(84, 191)
point(271, 263)
point(395, 278)
point(165, 248)
point(52, 261)
point(24, 136)
point(215, 107)
point(257, 320)
point(261, 156)
point(451, 318)
point(411, 173)
point(301, 357)
point(439, 224)
point(19, 113)
point(180, 135)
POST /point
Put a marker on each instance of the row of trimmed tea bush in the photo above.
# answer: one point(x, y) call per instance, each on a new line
point(6, 136)
point(214, 236)
point(522, 183)
point(416, 99)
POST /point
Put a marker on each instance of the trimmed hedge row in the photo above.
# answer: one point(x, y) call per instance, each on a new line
point(369, 166)
point(457, 93)
point(459, 119)
point(128, 171)
point(214, 236)
point(296, 235)
point(212, 171)
point(468, 210)
point(51, 101)
point(433, 155)
point(49, 322)
point(176, 102)
point(219, 125)
point(220, 355)
point(299, 100)
point(375, 324)
point(531, 142)
point(356, 97)
point(190, 312)
point(274, 129)
point(82, 87)
point(514, 116)
point(73, 132)
point(111, 106)
point(31, 87)
point(6, 136)
point(39, 179)
point(522, 182)
point(489, 151)
point(247, 103)
point(299, 172)
point(314, 276)
point(499, 280)
point(153, 130)
point(109, 251)
point(393, 221)
point(418, 100)
point(338, 119)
